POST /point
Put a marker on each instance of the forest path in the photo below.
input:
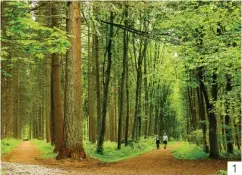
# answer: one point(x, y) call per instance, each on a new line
point(157, 162)
point(161, 162)
point(26, 153)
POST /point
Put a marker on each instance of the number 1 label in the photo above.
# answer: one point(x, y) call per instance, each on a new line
point(234, 168)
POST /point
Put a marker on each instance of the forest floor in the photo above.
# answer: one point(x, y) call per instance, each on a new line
point(25, 159)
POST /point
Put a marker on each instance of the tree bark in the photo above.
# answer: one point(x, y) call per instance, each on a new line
point(211, 113)
point(73, 145)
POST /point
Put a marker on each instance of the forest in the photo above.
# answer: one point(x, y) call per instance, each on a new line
point(76, 73)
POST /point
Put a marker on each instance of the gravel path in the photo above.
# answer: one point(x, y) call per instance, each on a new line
point(23, 169)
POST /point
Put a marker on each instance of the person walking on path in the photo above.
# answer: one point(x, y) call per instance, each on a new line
point(157, 141)
point(165, 140)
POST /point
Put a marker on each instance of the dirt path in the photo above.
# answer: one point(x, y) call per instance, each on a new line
point(26, 153)
point(158, 162)
point(161, 162)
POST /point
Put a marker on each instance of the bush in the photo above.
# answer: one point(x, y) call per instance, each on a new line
point(45, 148)
point(171, 139)
point(8, 144)
point(189, 151)
point(195, 137)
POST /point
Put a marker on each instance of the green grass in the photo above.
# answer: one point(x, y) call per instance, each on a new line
point(112, 154)
point(190, 152)
point(45, 148)
point(8, 144)
point(223, 172)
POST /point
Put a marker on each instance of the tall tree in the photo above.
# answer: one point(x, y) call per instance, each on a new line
point(56, 96)
point(73, 144)
point(105, 88)
point(125, 58)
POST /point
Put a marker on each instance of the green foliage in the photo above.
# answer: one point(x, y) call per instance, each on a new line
point(20, 32)
point(112, 154)
point(195, 137)
point(45, 148)
point(223, 172)
point(190, 152)
point(8, 144)
point(235, 156)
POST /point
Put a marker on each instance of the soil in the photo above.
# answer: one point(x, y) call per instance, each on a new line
point(158, 162)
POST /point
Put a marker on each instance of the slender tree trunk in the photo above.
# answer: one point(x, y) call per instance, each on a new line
point(98, 93)
point(127, 101)
point(146, 103)
point(203, 119)
point(58, 111)
point(48, 102)
point(229, 139)
point(91, 89)
point(105, 88)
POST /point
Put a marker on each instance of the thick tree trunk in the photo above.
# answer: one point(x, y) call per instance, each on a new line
point(73, 145)
point(211, 113)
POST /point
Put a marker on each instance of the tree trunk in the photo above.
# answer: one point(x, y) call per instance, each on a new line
point(91, 89)
point(229, 139)
point(98, 93)
point(125, 58)
point(211, 113)
point(73, 145)
point(203, 119)
point(58, 111)
point(105, 88)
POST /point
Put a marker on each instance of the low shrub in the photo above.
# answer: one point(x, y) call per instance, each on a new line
point(195, 137)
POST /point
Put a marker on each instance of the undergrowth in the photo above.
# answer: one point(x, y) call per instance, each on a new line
point(8, 144)
point(223, 172)
point(190, 152)
point(45, 148)
point(112, 154)
point(234, 156)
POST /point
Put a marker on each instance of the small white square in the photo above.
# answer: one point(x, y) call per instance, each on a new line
point(234, 168)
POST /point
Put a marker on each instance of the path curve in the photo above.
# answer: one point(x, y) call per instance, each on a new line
point(161, 162)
